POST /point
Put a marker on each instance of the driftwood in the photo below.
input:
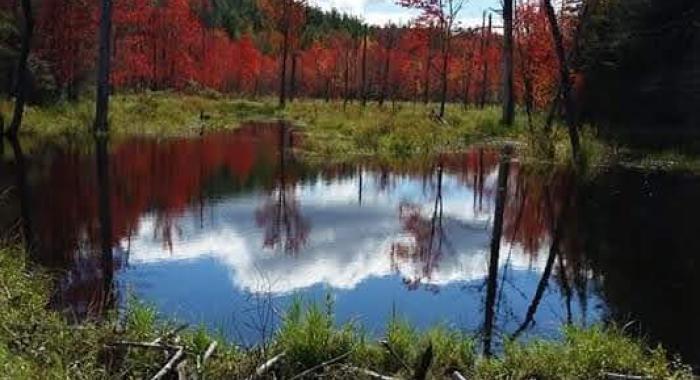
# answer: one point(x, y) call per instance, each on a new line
point(182, 370)
point(322, 365)
point(267, 366)
point(170, 334)
point(457, 376)
point(209, 352)
point(619, 376)
point(370, 373)
point(170, 364)
point(202, 360)
point(147, 345)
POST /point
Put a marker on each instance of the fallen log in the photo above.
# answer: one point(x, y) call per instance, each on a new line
point(370, 373)
point(619, 376)
point(170, 364)
point(147, 345)
point(209, 352)
point(265, 367)
point(170, 333)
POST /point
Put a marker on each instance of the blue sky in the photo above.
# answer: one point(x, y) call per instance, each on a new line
point(381, 11)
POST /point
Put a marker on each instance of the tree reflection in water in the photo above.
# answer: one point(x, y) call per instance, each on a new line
point(427, 238)
point(624, 238)
point(280, 216)
point(104, 298)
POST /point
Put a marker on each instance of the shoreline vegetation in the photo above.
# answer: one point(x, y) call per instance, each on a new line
point(134, 343)
point(342, 132)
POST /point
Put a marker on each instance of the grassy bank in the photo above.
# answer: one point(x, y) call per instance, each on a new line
point(38, 343)
point(333, 130)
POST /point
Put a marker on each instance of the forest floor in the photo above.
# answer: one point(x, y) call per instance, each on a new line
point(36, 342)
point(339, 132)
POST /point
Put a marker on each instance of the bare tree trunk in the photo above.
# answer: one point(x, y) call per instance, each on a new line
point(467, 76)
point(346, 78)
point(508, 100)
point(445, 67)
point(102, 106)
point(293, 80)
point(569, 105)
point(387, 67)
point(285, 55)
point(527, 81)
point(426, 87)
point(364, 68)
point(21, 86)
point(486, 35)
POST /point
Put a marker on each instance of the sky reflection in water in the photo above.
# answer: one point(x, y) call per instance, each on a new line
point(227, 230)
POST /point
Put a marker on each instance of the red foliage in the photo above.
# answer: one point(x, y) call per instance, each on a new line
point(165, 44)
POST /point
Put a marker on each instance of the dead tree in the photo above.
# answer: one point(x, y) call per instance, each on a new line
point(103, 68)
point(22, 84)
point(508, 96)
point(565, 81)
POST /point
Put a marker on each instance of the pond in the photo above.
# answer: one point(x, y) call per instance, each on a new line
point(227, 230)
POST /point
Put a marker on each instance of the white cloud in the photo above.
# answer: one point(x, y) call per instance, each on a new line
point(356, 7)
point(380, 12)
point(347, 244)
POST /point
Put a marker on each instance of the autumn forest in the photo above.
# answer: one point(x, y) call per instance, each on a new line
point(332, 189)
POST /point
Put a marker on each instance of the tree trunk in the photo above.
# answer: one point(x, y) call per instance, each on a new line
point(21, 86)
point(445, 67)
point(364, 69)
point(285, 54)
point(387, 67)
point(346, 78)
point(508, 100)
point(467, 89)
point(467, 76)
point(565, 81)
point(426, 87)
point(485, 44)
point(293, 80)
point(527, 82)
point(102, 106)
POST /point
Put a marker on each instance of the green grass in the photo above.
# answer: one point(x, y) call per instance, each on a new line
point(36, 342)
point(160, 114)
point(337, 132)
point(332, 130)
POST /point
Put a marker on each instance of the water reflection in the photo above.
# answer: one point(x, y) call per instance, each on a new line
point(280, 216)
point(204, 227)
point(106, 296)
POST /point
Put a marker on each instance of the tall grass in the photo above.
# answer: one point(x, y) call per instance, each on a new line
point(36, 342)
point(332, 130)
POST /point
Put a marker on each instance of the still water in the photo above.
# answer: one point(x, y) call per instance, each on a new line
point(228, 229)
